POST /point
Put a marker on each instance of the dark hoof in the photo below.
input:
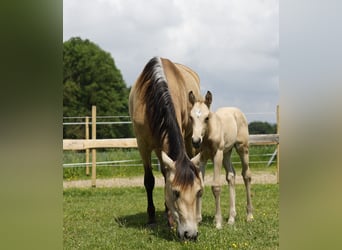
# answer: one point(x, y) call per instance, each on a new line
point(151, 224)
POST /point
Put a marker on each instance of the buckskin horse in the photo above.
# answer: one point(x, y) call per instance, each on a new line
point(159, 110)
point(214, 135)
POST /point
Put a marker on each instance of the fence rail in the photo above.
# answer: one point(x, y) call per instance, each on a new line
point(93, 143)
point(83, 144)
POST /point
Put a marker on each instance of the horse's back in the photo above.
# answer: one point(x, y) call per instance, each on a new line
point(191, 77)
point(183, 79)
point(234, 124)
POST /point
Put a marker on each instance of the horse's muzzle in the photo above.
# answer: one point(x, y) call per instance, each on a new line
point(188, 236)
point(196, 142)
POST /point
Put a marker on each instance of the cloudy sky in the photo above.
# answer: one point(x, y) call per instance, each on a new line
point(232, 44)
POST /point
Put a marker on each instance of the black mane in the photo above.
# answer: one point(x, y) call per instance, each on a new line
point(161, 116)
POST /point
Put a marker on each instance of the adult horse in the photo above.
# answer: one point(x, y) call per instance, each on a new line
point(159, 109)
point(215, 135)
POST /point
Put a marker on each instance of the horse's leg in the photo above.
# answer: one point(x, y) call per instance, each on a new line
point(149, 185)
point(242, 150)
point(216, 187)
point(202, 167)
point(230, 177)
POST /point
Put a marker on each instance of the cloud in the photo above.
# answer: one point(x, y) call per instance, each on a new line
point(232, 44)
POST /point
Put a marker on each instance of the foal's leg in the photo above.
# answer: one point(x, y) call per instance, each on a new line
point(199, 200)
point(242, 150)
point(230, 177)
point(216, 187)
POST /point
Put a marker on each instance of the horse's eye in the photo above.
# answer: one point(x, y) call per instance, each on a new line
point(176, 194)
point(206, 119)
point(200, 193)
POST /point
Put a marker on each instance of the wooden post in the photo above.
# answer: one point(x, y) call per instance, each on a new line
point(87, 138)
point(278, 145)
point(93, 150)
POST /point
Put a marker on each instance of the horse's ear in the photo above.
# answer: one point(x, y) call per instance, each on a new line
point(208, 99)
point(192, 98)
point(168, 162)
point(196, 160)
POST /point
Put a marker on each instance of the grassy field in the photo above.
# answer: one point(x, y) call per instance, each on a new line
point(114, 218)
point(257, 154)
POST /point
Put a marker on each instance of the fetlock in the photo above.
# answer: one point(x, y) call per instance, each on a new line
point(230, 177)
point(216, 190)
point(247, 176)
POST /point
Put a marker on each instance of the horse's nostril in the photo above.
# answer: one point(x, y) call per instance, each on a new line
point(187, 236)
point(196, 143)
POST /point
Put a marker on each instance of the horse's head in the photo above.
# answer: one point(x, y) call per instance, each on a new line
point(199, 117)
point(183, 191)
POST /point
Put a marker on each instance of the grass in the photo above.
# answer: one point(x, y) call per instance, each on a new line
point(123, 170)
point(114, 218)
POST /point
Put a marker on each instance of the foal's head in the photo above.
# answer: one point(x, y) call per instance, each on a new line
point(199, 116)
point(183, 191)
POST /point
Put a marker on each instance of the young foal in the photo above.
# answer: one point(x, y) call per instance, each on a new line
point(214, 135)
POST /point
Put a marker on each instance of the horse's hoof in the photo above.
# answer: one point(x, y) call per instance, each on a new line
point(231, 221)
point(218, 226)
point(151, 224)
point(250, 217)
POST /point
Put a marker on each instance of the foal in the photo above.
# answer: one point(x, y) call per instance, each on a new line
point(215, 135)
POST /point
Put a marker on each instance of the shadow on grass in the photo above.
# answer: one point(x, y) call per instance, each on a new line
point(160, 229)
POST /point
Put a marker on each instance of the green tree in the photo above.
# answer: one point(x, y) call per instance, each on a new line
point(90, 77)
point(258, 127)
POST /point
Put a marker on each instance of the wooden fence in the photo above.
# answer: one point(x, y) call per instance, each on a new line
point(83, 144)
point(93, 143)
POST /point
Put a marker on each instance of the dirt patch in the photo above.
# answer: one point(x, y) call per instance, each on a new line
point(257, 178)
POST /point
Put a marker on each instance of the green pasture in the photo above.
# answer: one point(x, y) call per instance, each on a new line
point(258, 161)
point(114, 218)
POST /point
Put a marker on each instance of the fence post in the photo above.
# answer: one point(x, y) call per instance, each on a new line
point(87, 138)
point(93, 150)
point(278, 145)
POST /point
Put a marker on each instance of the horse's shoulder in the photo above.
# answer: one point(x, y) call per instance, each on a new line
point(215, 130)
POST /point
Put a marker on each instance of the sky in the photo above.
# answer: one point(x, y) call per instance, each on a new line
point(233, 45)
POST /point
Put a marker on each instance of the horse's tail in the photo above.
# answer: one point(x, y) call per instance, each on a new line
point(160, 110)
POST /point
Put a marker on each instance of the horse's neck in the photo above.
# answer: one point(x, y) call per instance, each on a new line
point(214, 131)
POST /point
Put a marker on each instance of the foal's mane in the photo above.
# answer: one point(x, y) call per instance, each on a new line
point(161, 115)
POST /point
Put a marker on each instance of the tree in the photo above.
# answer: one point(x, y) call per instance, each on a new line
point(258, 127)
point(90, 77)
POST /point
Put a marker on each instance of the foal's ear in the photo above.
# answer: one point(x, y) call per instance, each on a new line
point(192, 98)
point(208, 99)
point(196, 160)
point(168, 162)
